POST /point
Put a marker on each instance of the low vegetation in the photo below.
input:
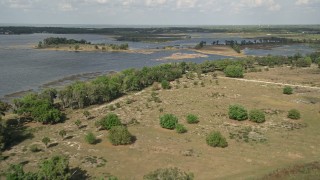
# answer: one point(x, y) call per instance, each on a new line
point(168, 173)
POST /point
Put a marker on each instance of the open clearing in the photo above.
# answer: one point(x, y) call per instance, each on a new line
point(277, 143)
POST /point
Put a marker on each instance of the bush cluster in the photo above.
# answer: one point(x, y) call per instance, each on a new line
point(215, 139)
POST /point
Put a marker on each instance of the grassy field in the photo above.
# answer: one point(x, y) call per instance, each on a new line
point(254, 150)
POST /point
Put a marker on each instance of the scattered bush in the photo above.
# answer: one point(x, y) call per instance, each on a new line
point(90, 138)
point(238, 112)
point(257, 116)
point(87, 114)
point(111, 108)
point(192, 119)
point(294, 114)
point(215, 139)
point(181, 129)
point(119, 135)
point(118, 105)
point(62, 133)
point(34, 148)
point(287, 90)
point(46, 141)
point(168, 174)
point(165, 84)
point(110, 121)
point(234, 71)
point(168, 121)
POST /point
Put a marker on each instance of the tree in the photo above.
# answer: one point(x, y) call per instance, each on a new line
point(62, 133)
point(40, 44)
point(287, 90)
point(46, 141)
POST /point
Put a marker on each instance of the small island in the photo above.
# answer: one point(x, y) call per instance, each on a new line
point(64, 44)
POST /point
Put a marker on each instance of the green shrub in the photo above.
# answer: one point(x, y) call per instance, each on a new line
point(304, 62)
point(34, 148)
point(238, 112)
point(168, 174)
point(168, 121)
point(181, 129)
point(110, 121)
point(165, 84)
point(90, 138)
point(257, 116)
point(119, 135)
point(294, 114)
point(287, 90)
point(234, 71)
point(215, 139)
point(192, 119)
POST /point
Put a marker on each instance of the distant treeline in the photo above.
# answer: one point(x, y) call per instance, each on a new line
point(56, 41)
point(308, 29)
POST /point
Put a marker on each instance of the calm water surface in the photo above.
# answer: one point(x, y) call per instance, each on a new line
point(23, 68)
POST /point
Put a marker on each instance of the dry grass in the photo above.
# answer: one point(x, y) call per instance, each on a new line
point(285, 142)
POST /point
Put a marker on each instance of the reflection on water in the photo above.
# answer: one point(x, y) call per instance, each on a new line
point(23, 68)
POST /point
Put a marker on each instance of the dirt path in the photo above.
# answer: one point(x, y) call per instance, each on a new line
point(268, 82)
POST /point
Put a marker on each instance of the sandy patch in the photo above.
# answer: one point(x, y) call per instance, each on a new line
point(180, 56)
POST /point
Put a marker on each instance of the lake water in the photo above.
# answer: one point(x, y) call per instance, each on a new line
point(23, 68)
